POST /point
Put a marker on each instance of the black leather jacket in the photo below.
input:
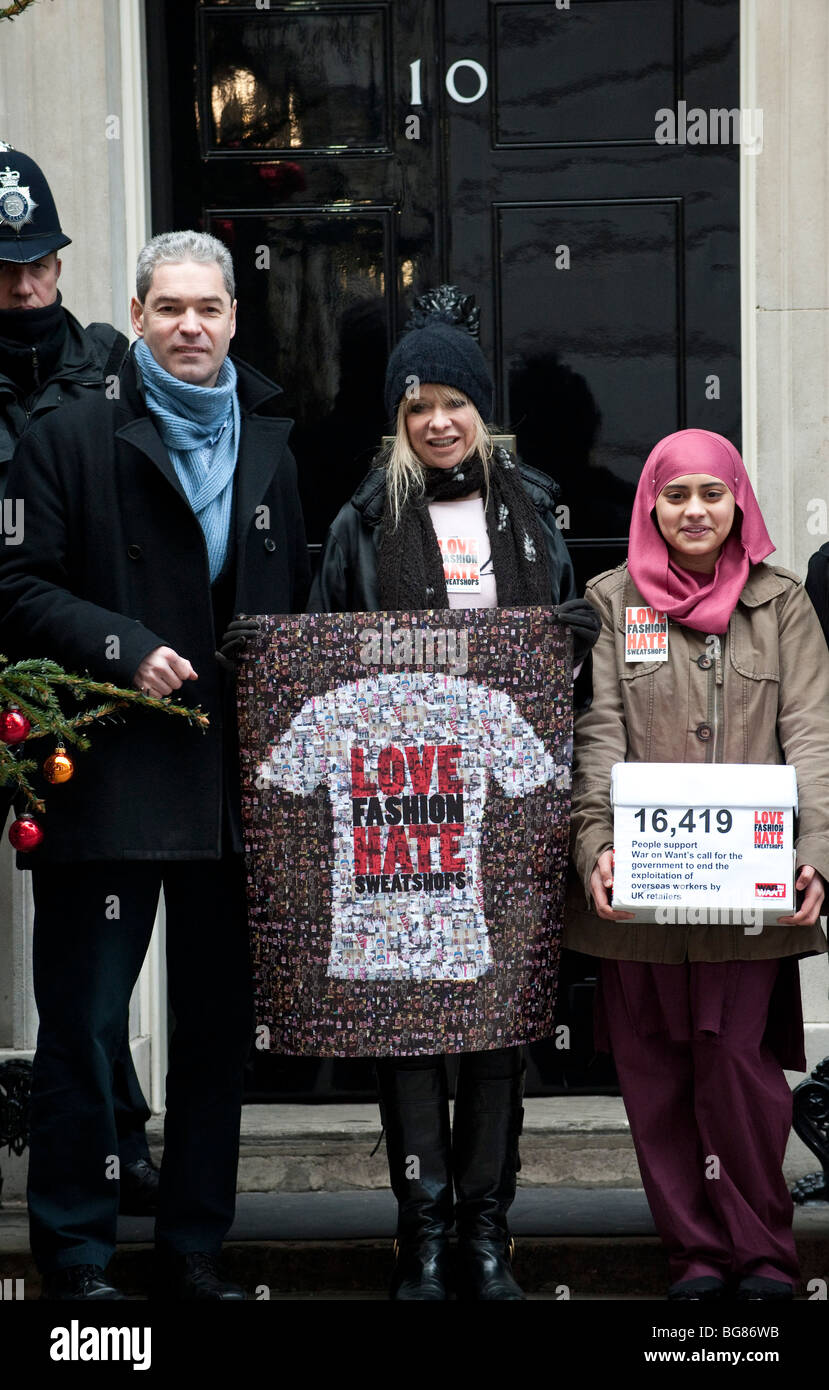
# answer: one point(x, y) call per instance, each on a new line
point(346, 581)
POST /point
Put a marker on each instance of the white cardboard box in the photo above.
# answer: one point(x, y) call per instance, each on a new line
point(696, 841)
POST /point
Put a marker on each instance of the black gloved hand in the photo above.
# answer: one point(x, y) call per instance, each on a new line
point(580, 615)
point(233, 642)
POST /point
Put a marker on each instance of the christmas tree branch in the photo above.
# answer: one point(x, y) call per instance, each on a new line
point(32, 688)
point(16, 8)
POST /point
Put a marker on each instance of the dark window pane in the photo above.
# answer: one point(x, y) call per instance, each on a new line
point(303, 82)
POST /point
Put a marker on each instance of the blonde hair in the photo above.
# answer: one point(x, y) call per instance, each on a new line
point(405, 473)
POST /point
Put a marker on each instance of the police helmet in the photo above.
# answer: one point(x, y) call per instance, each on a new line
point(29, 225)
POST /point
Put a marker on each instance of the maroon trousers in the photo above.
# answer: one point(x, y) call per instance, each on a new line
point(710, 1111)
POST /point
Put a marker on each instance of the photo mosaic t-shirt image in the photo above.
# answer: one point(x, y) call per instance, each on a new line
point(405, 791)
point(406, 758)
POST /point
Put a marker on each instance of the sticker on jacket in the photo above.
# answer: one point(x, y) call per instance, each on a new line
point(646, 634)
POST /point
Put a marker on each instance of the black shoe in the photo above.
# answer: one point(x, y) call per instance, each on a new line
point(191, 1276)
point(484, 1271)
point(707, 1288)
point(139, 1188)
point(414, 1106)
point(487, 1125)
point(755, 1288)
point(78, 1281)
point(420, 1271)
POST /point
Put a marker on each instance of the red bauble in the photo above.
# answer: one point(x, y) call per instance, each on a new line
point(14, 726)
point(25, 834)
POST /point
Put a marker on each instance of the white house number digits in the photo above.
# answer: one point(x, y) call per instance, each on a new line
point(480, 72)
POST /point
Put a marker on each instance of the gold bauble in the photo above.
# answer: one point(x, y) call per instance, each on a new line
point(59, 767)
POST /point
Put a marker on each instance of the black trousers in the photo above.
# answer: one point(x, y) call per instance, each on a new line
point(93, 924)
point(131, 1109)
point(494, 1065)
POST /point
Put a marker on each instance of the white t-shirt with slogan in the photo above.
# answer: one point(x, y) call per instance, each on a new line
point(407, 757)
point(463, 541)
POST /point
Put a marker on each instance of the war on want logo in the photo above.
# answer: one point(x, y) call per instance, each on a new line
point(769, 890)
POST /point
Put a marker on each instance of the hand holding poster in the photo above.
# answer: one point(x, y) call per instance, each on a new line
point(406, 802)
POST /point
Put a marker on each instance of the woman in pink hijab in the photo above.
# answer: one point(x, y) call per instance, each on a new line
point(702, 1016)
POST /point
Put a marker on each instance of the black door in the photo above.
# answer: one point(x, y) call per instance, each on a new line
point(608, 263)
point(283, 132)
point(351, 155)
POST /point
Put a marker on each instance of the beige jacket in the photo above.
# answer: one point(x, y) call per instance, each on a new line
point(764, 699)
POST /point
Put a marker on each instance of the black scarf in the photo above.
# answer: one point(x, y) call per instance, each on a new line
point(26, 332)
point(409, 564)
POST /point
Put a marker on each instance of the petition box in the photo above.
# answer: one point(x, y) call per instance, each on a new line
point(713, 836)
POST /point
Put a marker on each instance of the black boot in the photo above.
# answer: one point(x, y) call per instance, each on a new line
point(488, 1119)
point(138, 1194)
point(755, 1288)
point(192, 1277)
point(704, 1289)
point(414, 1106)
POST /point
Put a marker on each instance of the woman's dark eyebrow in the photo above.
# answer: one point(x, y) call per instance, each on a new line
point(683, 487)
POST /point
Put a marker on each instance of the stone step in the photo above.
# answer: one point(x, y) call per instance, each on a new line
point(568, 1141)
point(571, 1243)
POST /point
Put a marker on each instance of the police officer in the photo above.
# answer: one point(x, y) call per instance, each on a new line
point(47, 359)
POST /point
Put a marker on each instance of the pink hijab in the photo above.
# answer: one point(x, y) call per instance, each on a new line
point(701, 601)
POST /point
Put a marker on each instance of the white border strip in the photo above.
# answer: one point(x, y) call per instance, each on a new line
point(134, 131)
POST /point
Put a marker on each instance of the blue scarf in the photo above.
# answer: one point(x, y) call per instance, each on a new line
point(199, 426)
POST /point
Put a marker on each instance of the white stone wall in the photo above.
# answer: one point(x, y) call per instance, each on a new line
point(785, 238)
point(787, 78)
point(72, 95)
point(62, 81)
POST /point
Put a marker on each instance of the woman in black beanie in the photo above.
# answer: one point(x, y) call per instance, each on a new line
point(443, 476)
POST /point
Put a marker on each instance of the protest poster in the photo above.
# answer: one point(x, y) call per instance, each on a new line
point(406, 795)
point(713, 838)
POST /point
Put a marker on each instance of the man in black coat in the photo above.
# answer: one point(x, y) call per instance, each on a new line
point(47, 360)
point(149, 521)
